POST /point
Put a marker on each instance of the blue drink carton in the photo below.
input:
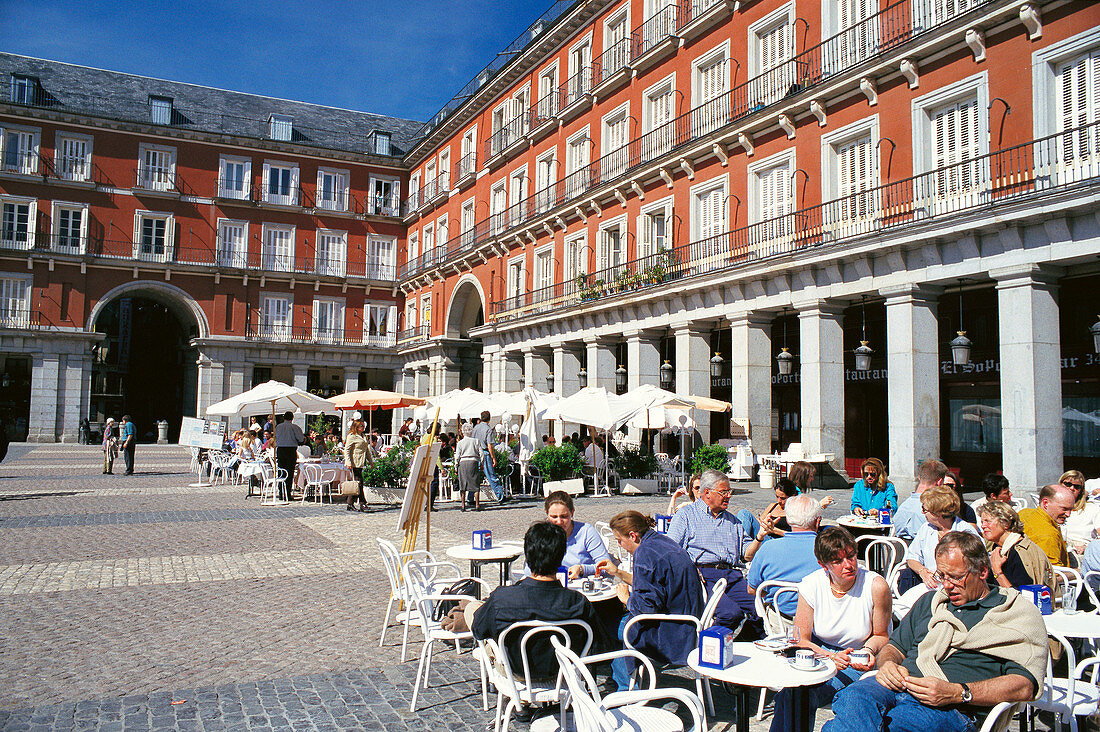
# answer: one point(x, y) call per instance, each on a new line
point(1040, 595)
point(483, 539)
point(716, 647)
point(662, 522)
point(884, 516)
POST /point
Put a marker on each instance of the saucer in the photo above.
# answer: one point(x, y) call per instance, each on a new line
point(772, 644)
point(818, 664)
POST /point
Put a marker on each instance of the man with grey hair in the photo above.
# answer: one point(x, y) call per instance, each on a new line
point(789, 558)
point(715, 540)
point(959, 651)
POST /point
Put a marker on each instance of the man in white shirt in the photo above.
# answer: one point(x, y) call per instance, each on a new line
point(592, 455)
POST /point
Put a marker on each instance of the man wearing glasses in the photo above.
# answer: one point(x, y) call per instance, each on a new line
point(959, 651)
point(1043, 525)
point(716, 541)
point(910, 514)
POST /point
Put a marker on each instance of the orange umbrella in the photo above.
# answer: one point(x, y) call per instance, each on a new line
point(368, 400)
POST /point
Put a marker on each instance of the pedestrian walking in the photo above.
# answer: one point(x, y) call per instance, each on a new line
point(84, 432)
point(110, 446)
point(129, 442)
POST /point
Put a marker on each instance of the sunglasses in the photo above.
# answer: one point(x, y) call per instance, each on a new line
point(1070, 484)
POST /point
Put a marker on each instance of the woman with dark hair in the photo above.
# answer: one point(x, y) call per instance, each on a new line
point(584, 548)
point(802, 474)
point(842, 608)
point(663, 579)
point(774, 518)
point(873, 491)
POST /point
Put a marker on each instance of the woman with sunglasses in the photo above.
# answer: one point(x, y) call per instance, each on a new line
point(873, 491)
point(1083, 523)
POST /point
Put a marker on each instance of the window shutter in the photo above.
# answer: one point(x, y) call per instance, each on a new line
point(644, 227)
point(391, 320)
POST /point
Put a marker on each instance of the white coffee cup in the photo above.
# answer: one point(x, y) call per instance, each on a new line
point(862, 657)
point(804, 658)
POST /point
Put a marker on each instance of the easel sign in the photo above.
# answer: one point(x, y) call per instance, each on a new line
point(421, 470)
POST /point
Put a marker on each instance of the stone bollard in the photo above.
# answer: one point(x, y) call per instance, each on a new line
point(162, 432)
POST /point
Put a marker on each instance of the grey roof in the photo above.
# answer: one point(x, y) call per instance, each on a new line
point(115, 95)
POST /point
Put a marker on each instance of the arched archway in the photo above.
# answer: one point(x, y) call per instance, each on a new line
point(145, 365)
point(465, 312)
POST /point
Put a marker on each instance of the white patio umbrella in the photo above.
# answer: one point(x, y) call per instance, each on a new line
point(459, 403)
point(273, 395)
point(514, 403)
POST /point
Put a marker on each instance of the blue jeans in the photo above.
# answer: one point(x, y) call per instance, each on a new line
point(817, 697)
point(750, 523)
point(620, 672)
point(491, 473)
point(868, 706)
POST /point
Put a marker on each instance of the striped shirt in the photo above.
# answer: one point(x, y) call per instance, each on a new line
point(707, 539)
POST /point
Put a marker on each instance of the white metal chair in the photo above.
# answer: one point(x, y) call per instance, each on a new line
point(520, 688)
point(882, 553)
point(1067, 578)
point(318, 480)
point(424, 594)
point(269, 487)
point(621, 710)
point(667, 474)
point(999, 717)
point(1072, 696)
point(393, 561)
point(775, 623)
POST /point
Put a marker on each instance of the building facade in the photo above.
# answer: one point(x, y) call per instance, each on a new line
point(794, 206)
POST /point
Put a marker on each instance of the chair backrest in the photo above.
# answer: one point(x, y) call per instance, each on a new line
point(311, 471)
point(1091, 581)
point(589, 713)
point(534, 642)
point(1048, 697)
point(768, 610)
point(882, 553)
point(391, 560)
point(1067, 578)
point(999, 717)
point(711, 605)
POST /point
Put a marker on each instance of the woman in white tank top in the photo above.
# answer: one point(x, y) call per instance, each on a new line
point(841, 608)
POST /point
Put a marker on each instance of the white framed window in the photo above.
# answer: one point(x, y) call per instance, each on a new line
point(232, 243)
point(414, 246)
point(614, 137)
point(580, 70)
point(332, 189)
point(429, 241)
point(500, 120)
point(234, 177)
point(612, 248)
point(379, 324)
point(275, 317)
point(381, 257)
point(154, 236)
point(1066, 83)
point(444, 171)
point(379, 142)
point(410, 313)
point(851, 27)
point(430, 172)
point(521, 105)
point(442, 233)
point(278, 248)
point(517, 194)
point(70, 227)
point(548, 92)
point(19, 149)
point(385, 196)
point(515, 280)
point(280, 127)
point(708, 204)
point(328, 319)
point(426, 312)
point(950, 140)
point(575, 259)
point(156, 167)
point(498, 204)
point(414, 191)
point(655, 228)
point(332, 253)
point(710, 84)
point(930, 13)
point(15, 301)
point(546, 168)
point(280, 183)
point(24, 89)
point(544, 267)
point(771, 48)
point(467, 223)
point(616, 41)
point(160, 110)
point(656, 29)
point(658, 111)
point(771, 201)
point(577, 151)
point(73, 157)
point(467, 163)
point(850, 176)
point(18, 218)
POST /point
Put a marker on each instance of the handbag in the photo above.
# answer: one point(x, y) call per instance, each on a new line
point(464, 586)
point(349, 488)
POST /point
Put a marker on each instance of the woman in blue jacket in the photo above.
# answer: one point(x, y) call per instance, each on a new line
point(873, 491)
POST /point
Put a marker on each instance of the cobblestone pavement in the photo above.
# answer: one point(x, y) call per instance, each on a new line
point(133, 603)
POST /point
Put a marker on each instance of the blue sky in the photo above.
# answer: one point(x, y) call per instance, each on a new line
point(395, 57)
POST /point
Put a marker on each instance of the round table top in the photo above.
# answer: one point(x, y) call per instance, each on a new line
point(250, 467)
point(756, 667)
point(499, 552)
point(852, 521)
point(1077, 625)
point(601, 592)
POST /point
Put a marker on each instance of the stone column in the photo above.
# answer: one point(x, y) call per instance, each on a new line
point(211, 386)
point(45, 373)
point(643, 360)
point(488, 372)
point(1031, 369)
point(419, 379)
point(301, 380)
point(822, 379)
point(511, 372)
point(567, 363)
point(536, 368)
point(240, 374)
point(351, 378)
point(751, 367)
point(693, 369)
point(913, 380)
point(601, 364)
point(449, 375)
point(71, 378)
point(528, 368)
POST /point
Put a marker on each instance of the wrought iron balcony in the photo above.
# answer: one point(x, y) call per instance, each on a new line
point(412, 336)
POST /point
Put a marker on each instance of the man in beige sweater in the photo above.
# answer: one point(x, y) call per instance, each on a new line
point(959, 651)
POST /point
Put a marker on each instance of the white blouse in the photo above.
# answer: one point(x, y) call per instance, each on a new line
point(840, 622)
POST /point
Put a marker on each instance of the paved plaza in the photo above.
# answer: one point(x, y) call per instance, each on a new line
point(132, 603)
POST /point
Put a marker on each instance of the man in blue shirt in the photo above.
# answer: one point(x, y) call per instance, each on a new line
point(790, 558)
point(715, 540)
point(910, 514)
point(129, 442)
point(483, 433)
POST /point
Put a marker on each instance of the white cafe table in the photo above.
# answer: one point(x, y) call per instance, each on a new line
point(600, 592)
point(502, 554)
point(758, 668)
point(863, 524)
point(1076, 625)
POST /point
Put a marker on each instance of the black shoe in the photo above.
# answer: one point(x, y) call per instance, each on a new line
point(463, 508)
point(362, 508)
point(522, 714)
point(351, 507)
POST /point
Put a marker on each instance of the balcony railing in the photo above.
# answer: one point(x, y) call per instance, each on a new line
point(21, 161)
point(412, 335)
point(156, 179)
point(512, 131)
point(466, 165)
point(875, 35)
point(615, 59)
point(655, 31)
point(281, 196)
point(257, 330)
point(73, 169)
point(382, 205)
point(1029, 170)
point(545, 109)
point(336, 201)
point(17, 317)
point(412, 202)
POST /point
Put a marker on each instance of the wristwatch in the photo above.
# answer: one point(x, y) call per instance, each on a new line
point(967, 696)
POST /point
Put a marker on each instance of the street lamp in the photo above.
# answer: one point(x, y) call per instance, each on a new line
point(863, 353)
point(960, 349)
point(620, 378)
point(550, 382)
point(716, 365)
point(785, 360)
point(666, 372)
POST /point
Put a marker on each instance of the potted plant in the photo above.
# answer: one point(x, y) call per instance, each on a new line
point(710, 457)
point(559, 466)
point(635, 468)
point(389, 474)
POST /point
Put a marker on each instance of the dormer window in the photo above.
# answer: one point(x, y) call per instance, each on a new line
point(380, 143)
point(160, 110)
point(24, 89)
point(280, 127)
